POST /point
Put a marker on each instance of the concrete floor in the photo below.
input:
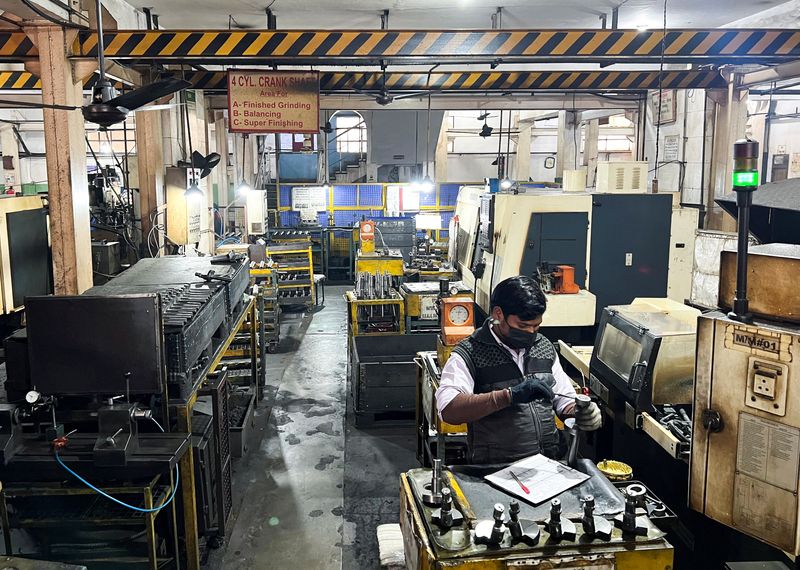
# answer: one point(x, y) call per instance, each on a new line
point(312, 488)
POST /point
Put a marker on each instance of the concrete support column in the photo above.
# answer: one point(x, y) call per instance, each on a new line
point(251, 160)
point(150, 161)
point(731, 122)
point(221, 171)
point(171, 121)
point(522, 165)
point(590, 151)
point(10, 149)
point(567, 143)
point(440, 158)
point(65, 145)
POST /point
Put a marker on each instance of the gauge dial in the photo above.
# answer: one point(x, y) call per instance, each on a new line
point(32, 397)
point(459, 315)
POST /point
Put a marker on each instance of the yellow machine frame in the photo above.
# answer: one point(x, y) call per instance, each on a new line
point(353, 303)
point(657, 555)
point(373, 263)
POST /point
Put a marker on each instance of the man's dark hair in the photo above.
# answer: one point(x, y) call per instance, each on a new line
point(521, 296)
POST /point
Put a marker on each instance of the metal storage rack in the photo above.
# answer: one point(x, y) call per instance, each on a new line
point(294, 263)
point(46, 506)
point(316, 236)
point(269, 310)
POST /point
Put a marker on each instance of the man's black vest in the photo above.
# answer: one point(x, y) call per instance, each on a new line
point(519, 430)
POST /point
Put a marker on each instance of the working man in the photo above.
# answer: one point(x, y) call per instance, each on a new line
point(505, 381)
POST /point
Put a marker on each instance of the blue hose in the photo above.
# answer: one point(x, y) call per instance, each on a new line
point(107, 496)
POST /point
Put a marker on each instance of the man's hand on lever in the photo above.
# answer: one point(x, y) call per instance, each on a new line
point(532, 388)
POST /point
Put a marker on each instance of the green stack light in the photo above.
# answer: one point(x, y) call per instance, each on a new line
point(746, 178)
point(745, 165)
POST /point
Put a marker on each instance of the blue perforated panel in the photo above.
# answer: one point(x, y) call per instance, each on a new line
point(344, 195)
point(427, 198)
point(285, 196)
point(448, 194)
point(370, 195)
point(346, 217)
point(446, 217)
point(290, 219)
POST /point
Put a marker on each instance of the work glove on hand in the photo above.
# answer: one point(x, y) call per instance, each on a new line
point(588, 418)
point(534, 387)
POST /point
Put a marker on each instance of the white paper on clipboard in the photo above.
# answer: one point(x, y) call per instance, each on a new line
point(544, 478)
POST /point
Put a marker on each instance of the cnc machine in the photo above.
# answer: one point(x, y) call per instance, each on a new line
point(589, 250)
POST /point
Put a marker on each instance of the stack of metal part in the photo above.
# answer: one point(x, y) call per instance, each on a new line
point(200, 302)
point(174, 271)
point(371, 286)
point(192, 316)
point(678, 422)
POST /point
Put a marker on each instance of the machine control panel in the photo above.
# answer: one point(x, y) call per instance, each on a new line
point(486, 218)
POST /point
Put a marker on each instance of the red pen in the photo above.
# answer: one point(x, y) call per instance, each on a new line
point(522, 486)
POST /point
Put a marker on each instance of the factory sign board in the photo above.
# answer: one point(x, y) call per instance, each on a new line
point(667, 112)
point(273, 101)
point(672, 145)
point(313, 198)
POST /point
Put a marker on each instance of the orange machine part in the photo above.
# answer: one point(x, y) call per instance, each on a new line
point(565, 280)
point(453, 333)
point(367, 230)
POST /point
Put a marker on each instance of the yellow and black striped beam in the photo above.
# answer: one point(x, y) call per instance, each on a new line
point(338, 46)
point(493, 81)
point(16, 46)
point(449, 82)
point(14, 80)
point(24, 80)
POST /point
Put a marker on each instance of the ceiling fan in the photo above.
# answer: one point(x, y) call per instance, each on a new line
point(383, 97)
point(486, 130)
point(205, 164)
point(106, 107)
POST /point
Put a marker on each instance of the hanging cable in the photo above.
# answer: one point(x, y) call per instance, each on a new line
point(500, 169)
point(158, 425)
point(124, 504)
point(660, 91)
point(508, 147)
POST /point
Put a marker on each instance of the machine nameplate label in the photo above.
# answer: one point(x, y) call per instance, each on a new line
point(768, 451)
point(758, 342)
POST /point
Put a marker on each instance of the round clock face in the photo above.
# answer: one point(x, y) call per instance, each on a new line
point(459, 315)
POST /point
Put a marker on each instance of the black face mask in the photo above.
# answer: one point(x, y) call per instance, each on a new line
point(519, 339)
